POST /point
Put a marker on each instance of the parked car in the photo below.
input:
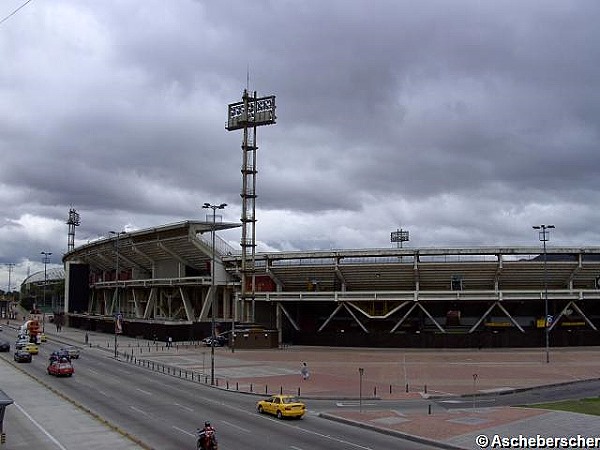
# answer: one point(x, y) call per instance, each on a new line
point(72, 352)
point(61, 368)
point(22, 356)
point(31, 348)
point(4, 346)
point(220, 341)
point(282, 406)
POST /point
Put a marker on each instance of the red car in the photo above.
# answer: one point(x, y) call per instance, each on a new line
point(61, 368)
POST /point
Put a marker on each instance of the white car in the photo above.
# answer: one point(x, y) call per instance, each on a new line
point(21, 343)
point(72, 352)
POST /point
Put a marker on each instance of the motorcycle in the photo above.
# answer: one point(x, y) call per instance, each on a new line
point(206, 440)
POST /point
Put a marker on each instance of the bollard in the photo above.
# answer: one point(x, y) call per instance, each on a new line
point(266, 389)
point(281, 390)
point(250, 387)
point(227, 384)
point(407, 387)
point(237, 387)
point(390, 388)
point(298, 392)
point(425, 389)
point(429, 410)
point(374, 391)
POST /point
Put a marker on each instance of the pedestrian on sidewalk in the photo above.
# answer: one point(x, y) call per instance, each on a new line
point(304, 371)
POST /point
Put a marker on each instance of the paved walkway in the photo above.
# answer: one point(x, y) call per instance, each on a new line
point(391, 374)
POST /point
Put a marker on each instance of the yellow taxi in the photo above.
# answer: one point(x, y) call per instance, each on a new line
point(43, 338)
point(282, 406)
point(31, 348)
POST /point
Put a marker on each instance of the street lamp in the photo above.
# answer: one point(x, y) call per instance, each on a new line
point(46, 259)
point(117, 301)
point(544, 235)
point(361, 372)
point(212, 290)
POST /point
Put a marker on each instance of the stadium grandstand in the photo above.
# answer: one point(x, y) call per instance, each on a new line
point(160, 281)
point(44, 290)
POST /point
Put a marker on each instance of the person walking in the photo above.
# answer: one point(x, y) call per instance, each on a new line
point(304, 371)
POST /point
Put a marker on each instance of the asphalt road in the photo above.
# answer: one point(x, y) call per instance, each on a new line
point(164, 411)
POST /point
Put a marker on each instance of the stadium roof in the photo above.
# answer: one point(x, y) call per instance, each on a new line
point(183, 241)
point(52, 274)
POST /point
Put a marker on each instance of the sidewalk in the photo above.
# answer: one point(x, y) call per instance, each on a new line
point(400, 374)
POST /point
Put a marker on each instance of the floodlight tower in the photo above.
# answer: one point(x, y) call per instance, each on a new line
point(247, 115)
point(399, 236)
point(73, 222)
point(10, 269)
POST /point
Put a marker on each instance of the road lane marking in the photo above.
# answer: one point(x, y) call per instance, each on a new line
point(237, 426)
point(143, 391)
point(42, 429)
point(141, 411)
point(184, 407)
point(183, 431)
point(354, 404)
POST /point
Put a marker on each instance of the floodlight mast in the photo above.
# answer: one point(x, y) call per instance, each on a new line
point(399, 236)
point(73, 221)
point(247, 115)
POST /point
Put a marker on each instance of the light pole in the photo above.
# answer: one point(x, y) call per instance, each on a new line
point(46, 260)
point(544, 235)
point(212, 290)
point(117, 302)
point(361, 372)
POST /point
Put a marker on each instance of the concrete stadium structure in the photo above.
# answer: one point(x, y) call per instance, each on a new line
point(417, 297)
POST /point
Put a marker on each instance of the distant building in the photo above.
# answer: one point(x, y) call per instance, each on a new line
point(44, 289)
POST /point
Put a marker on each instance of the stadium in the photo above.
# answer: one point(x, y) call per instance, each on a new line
point(163, 282)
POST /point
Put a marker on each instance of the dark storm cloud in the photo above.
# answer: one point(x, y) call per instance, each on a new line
point(465, 121)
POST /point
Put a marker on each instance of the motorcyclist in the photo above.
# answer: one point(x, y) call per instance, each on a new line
point(207, 437)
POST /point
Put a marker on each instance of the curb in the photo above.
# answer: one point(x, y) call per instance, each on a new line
point(400, 434)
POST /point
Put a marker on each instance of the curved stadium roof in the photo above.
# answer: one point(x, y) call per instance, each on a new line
point(52, 274)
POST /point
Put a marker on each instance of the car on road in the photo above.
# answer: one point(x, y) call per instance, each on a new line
point(4, 346)
point(43, 337)
point(31, 348)
point(282, 406)
point(22, 356)
point(20, 343)
point(61, 368)
point(72, 352)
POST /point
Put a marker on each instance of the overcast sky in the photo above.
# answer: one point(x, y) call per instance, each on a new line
point(464, 122)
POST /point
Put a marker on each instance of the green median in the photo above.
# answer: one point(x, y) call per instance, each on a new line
point(584, 406)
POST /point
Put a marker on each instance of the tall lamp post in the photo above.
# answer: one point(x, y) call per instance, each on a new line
point(212, 289)
point(46, 260)
point(117, 302)
point(544, 235)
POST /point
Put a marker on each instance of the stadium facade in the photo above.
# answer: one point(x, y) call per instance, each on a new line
point(396, 297)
